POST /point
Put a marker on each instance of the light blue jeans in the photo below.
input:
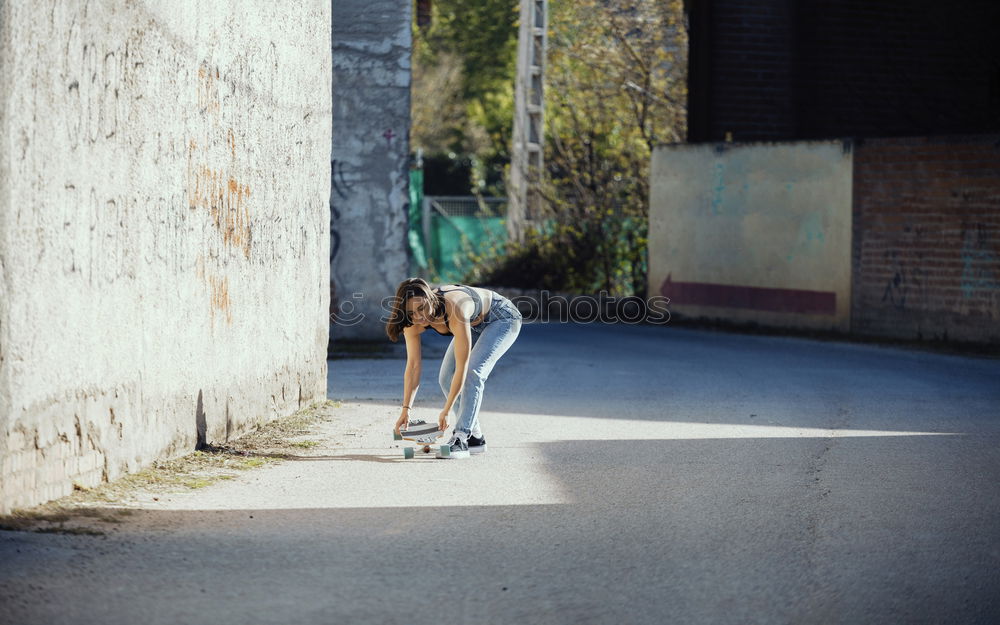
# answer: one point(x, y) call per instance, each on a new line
point(490, 340)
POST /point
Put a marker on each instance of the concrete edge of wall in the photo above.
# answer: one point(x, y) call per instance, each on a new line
point(5, 155)
point(847, 143)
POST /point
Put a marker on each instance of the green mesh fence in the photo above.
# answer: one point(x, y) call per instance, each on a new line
point(418, 248)
point(453, 237)
point(444, 230)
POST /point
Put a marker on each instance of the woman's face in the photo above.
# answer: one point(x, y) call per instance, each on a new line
point(418, 311)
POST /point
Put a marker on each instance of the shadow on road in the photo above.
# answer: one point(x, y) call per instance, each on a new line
point(744, 530)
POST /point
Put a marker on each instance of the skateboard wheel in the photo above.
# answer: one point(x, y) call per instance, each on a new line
point(445, 451)
point(407, 452)
point(396, 436)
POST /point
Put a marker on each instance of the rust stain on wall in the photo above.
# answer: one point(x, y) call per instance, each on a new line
point(218, 291)
point(225, 199)
point(220, 298)
point(208, 90)
point(217, 191)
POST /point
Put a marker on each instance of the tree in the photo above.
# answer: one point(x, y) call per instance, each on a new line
point(470, 48)
point(437, 110)
point(615, 89)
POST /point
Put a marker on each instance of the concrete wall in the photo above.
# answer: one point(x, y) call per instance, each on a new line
point(164, 213)
point(927, 238)
point(370, 162)
point(753, 233)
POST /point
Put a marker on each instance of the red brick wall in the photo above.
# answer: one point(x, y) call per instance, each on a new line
point(927, 238)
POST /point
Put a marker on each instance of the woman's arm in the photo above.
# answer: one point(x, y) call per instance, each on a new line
point(411, 375)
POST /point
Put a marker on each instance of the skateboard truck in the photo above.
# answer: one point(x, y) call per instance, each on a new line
point(423, 434)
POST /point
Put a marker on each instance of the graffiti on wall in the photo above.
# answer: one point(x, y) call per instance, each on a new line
point(342, 189)
point(223, 211)
point(98, 76)
point(907, 283)
point(980, 264)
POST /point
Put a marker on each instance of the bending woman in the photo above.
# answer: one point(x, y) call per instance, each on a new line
point(484, 325)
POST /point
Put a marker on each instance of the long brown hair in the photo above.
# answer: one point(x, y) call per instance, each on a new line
point(408, 289)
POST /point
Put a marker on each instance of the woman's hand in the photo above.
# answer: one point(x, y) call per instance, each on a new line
point(443, 420)
point(402, 420)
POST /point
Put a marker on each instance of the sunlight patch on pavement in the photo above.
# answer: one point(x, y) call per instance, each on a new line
point(550, 428)
point(381, 478)
point(516, 471)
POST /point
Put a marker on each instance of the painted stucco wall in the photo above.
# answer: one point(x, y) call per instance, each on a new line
point(753, 232)
point(370, 162)
point(164, 229)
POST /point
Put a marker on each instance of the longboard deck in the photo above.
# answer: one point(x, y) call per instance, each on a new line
point(420, 432)
point(424, 434)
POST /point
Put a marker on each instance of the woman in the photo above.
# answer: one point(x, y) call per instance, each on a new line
point(484, 325)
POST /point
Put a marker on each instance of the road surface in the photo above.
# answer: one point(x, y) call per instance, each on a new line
point(635, 474)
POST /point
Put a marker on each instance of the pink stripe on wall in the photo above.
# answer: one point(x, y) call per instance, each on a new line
point(749, 297)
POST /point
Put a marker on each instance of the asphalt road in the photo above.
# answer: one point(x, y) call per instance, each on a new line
point(635, 474)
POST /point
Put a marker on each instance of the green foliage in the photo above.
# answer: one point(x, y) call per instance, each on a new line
point(587, 257)
point(494, 114)
point(615, 88)
point(463, 76)
point(438, 116)
point(484, 35)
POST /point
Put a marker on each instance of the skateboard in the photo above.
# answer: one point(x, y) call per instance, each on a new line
point(423, 434)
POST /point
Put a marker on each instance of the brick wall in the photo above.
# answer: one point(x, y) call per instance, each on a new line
point(926, 240)
point(741, 70)
point(790, 69)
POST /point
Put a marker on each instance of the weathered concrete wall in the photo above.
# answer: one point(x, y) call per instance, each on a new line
point(370, 161)
point(164, 214)
point(927, 238)
point(753, 232)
